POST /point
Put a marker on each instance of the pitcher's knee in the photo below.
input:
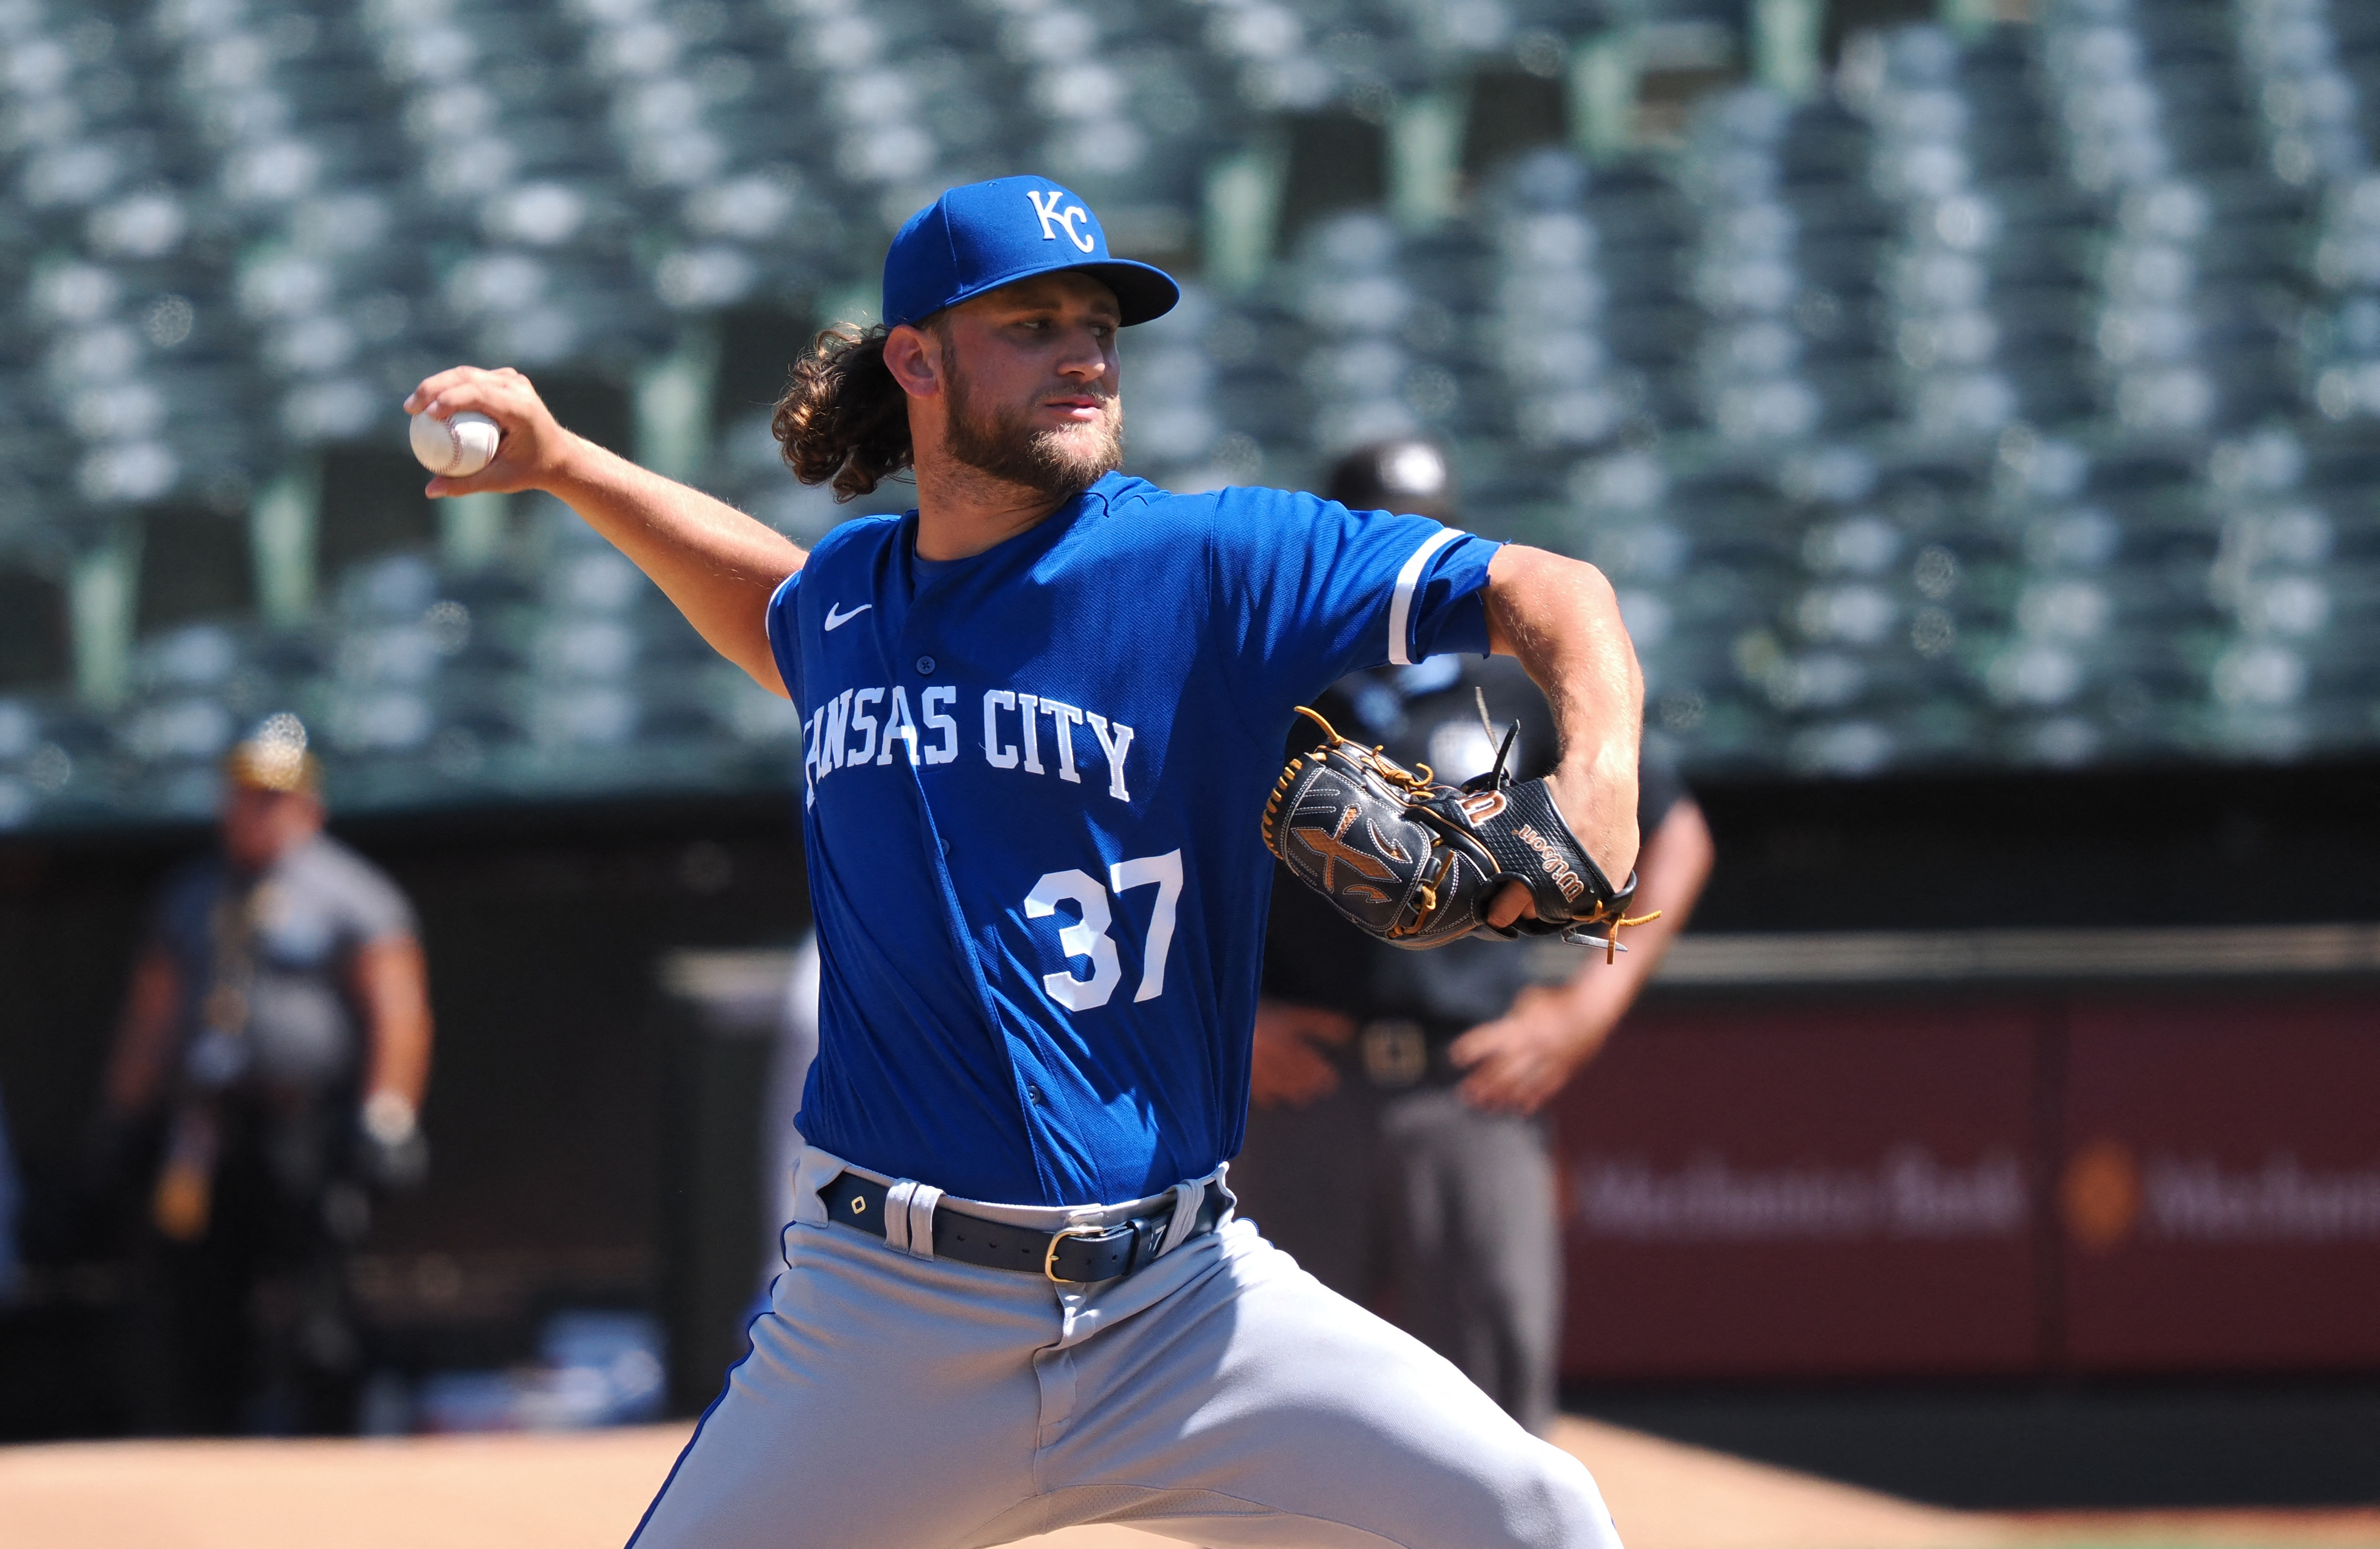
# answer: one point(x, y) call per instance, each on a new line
point(1548, 1500)
point(1581, 1520)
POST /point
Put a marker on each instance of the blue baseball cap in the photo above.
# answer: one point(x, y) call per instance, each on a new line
point(983, 236)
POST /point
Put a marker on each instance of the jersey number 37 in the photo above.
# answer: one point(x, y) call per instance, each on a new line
point(1087, 937)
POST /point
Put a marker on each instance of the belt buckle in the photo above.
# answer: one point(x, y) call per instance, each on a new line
point(1049, 1259)
point(1396, 1052)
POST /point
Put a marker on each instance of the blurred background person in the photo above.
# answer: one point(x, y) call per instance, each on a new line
point(268, 1069)
point(1395, 1142)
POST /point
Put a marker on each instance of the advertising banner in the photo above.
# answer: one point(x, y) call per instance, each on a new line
point(1844, 1191)
point(2219, 1194)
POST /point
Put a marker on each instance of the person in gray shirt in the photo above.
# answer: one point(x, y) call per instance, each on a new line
point(275, 1043)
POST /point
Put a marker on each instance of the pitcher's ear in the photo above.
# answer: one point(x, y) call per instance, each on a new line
point(914, 356)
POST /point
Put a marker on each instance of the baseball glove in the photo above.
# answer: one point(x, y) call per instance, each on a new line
point(1416, 863)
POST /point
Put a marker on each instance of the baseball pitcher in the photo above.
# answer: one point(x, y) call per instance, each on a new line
point(1044, 714)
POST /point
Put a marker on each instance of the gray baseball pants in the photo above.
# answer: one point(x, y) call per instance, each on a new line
point(1222, 1395)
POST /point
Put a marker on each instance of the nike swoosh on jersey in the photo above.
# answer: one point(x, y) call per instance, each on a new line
point(837, 620)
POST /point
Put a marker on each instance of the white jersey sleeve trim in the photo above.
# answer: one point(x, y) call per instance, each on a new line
point(769, 628)
point(1400, 605)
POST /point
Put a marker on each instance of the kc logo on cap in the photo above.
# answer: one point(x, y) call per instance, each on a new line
point(982, 236)
point(1044, 204)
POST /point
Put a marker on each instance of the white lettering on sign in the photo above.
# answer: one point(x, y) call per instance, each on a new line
point(2198, 1200)
point(1908, 1193)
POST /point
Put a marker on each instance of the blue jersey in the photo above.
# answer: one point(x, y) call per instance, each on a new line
point(1031, 784)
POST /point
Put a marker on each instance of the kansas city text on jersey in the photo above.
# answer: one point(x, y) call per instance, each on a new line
point(860, 727)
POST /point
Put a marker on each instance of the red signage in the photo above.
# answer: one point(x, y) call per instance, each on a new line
point(1845, 1191)
point(2220, 1195)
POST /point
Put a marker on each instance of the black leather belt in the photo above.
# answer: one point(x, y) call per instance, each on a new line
point(1072, 1255)
point(1398, 1052)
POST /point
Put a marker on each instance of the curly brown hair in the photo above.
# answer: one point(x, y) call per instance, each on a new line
point(844, 420)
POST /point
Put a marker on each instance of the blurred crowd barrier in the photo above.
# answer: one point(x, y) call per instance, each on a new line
point(1979, 393)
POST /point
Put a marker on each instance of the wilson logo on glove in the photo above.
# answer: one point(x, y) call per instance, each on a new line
point(1479, 806)
point(1556, 867)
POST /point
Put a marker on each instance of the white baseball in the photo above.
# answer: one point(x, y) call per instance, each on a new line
point(456, 447)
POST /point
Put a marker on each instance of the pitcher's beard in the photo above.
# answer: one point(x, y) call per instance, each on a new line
point(1059, 463)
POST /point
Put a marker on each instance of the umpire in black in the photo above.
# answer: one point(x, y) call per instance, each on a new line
point(1394, 1145)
